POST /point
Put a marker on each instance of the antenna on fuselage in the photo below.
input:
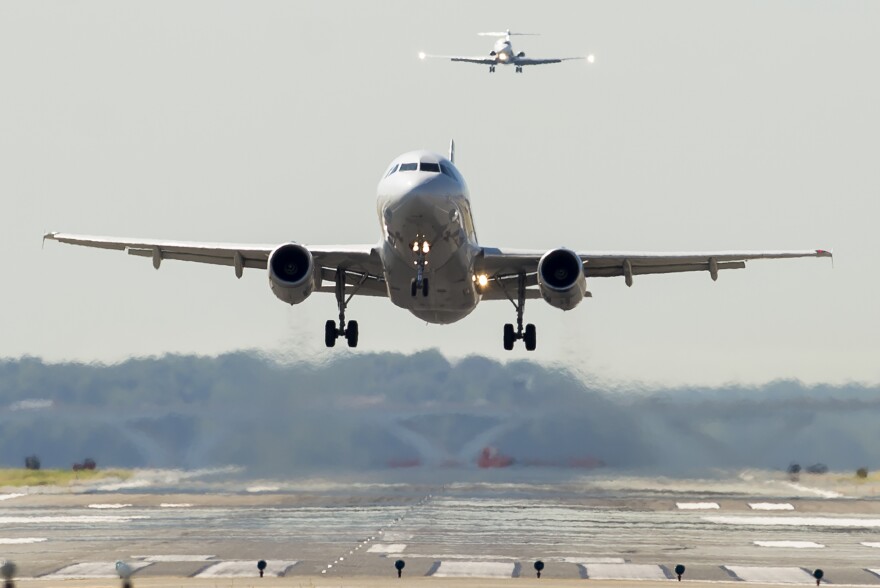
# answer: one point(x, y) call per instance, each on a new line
point(452, 150)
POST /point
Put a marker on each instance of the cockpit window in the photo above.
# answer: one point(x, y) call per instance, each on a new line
point(447, 171)
point(430, 167)
point(408, 167)
point(391, 171)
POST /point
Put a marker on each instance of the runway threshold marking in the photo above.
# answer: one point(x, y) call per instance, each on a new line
point(697, 505)
point(173, 558)
point(770, 574)
point(92, 570)
point(387, 548)
point(771, 506)
point(21, 540)
point(243, 569)
point(625, 572)
point(791, 544)
point(474, 569)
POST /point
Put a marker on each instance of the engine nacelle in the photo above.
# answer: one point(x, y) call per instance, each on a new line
point(561, 278)
point(521, 54)
point(492, 54)
point(292, 273)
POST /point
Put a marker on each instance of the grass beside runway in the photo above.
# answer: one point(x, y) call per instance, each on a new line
point(21, 477)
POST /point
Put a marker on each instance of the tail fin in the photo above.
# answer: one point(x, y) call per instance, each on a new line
point(452, 150)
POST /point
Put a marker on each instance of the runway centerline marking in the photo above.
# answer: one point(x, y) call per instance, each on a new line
point(697, 505)
point(792, 544)
point(771, 506)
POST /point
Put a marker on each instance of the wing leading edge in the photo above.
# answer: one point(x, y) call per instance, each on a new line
point(360, 262)
point(498, 263)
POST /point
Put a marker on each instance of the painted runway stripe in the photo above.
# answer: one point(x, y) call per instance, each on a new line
point(387, 548)
point(109, 506)
point(870, 544)
point(11, 496)
point(243, 569)
point(20, 540)
point(173, 558)
point(771, 506)
point(795, 521)
point(92, 570)
point(175, 505)
point(791, 544)
point(697, 505)
point(771, 575)
point(625, 572)
point(474, 569)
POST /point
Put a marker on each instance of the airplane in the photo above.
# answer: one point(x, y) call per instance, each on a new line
point(502, 53)
point(429, 260)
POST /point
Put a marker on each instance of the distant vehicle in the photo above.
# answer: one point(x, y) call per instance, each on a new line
point(428, 259)
point(503, 54)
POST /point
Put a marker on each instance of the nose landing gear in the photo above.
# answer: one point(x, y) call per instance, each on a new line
point(421, 248)
point(529, 334)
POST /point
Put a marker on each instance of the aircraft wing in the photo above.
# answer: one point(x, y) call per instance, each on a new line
point(529, 61)
point(360, 262)
point(499, 264)
point(480, 60)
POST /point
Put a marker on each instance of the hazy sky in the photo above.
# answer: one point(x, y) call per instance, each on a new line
point(702, 125)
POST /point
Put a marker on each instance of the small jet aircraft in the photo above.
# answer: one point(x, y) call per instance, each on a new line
point(428, 260)
point(503, 54)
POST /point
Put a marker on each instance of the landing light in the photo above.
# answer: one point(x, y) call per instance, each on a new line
point(415, 246)
point(426, 247)
point(591, 59)
point(482, 280)
point(503, 56)
point(422, 55)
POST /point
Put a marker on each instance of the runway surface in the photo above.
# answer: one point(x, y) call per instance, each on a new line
point(758, 528)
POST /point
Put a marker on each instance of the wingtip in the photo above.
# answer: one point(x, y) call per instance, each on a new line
point(824, 253)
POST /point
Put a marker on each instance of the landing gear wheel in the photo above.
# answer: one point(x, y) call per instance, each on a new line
point(509, 337)
point(425, 287)
point(330, 333)
point(530, 337)
point(518, 69)
point(413, 288)
point(351, 333)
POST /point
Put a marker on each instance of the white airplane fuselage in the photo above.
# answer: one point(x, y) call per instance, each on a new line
point(504, 52)
point(421, 209)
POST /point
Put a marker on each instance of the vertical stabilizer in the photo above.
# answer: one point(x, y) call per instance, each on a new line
point(452, 150)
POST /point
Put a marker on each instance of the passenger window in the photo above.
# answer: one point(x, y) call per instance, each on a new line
point(430, 167)
point(408, 167)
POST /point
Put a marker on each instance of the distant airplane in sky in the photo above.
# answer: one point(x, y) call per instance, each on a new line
point(503, 54)
point(428, 260)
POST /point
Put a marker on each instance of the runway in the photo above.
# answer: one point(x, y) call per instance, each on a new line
point(758, 529)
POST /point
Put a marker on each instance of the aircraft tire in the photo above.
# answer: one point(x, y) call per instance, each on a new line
point(509, 337)
point(530, 337)
point(351, 333)
point(330, 333)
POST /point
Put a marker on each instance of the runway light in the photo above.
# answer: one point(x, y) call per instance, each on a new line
point(422, 55)
point(591, 59)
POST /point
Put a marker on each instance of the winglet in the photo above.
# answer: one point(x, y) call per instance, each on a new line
point(49, 235)
point(452, 150)
point(826, 253)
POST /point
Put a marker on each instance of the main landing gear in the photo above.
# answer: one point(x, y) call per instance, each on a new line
point(529, 335)
point(421, 248)
point(518, 69)
point(491, 69)
point(349, 331)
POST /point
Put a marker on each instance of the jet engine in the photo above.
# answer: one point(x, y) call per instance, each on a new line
point(292, 273)
point(561, 278)
point(492, 54)
point(521, 54)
